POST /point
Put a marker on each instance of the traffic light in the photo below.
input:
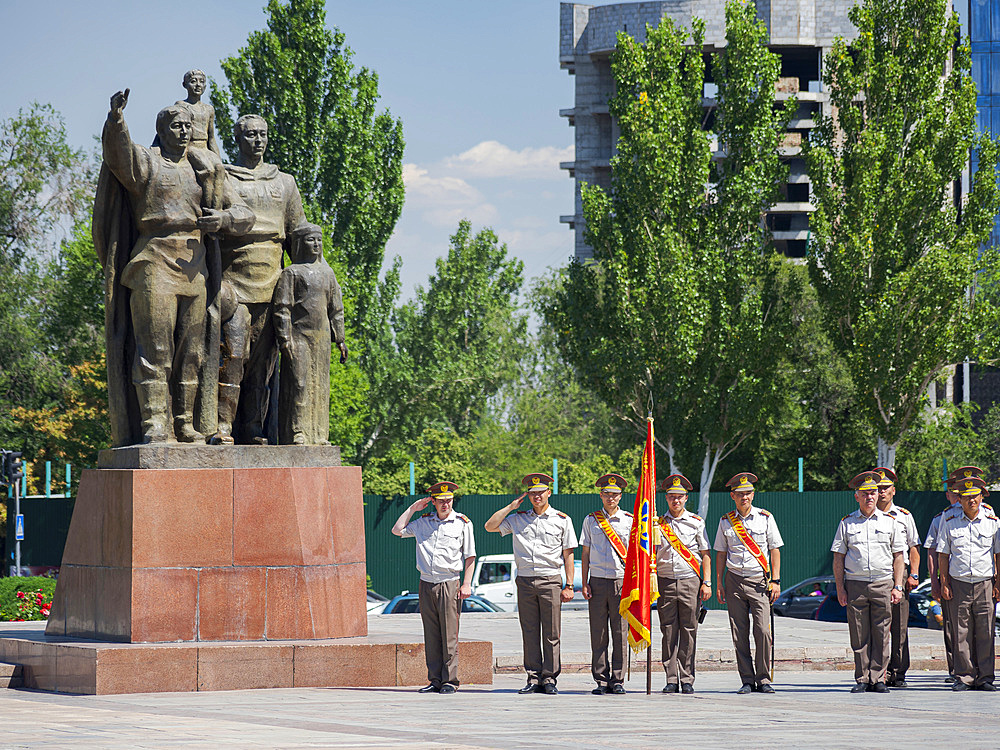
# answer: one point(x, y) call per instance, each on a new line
point(13, 466)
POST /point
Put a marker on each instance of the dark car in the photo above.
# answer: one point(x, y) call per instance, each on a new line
point(831, 611)
point(408, 603)
point(804, 598)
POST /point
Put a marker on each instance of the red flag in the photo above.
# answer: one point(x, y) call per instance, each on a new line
point(638, 592)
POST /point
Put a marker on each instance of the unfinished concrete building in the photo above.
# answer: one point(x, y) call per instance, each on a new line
point(800, 33)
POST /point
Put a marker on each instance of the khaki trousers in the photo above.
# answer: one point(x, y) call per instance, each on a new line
point(869, 618)
point(748, 605)
point(975, 651)
point(539, 611)
point(948, 626)
point(678, 608)
point(439, 610)
point(899, 644)
point(606, 595)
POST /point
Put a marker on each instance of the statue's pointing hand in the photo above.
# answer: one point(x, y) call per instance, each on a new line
point(118, 102)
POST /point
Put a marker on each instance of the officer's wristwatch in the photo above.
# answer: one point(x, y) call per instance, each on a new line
point(898, 588)
point(775, 580)
point(567, 586)
point(914, 576)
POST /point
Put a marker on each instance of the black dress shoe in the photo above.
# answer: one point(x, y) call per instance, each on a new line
point(448, 689)
point(898, 682)
point(599, 690)
point(960, 686)
point(549, 688)
point(987, 687)
point(529, 688)
point(687, 689)
point(617, 689)
point(890, 681)
point(879, 687)
point(950, 679)
point(747, 688)
point(860, 687)
point(765, 689)
point(670, 687)
point(432, 688)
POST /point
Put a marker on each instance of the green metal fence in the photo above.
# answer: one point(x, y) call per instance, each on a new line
point(807, 522)
point(46, 524)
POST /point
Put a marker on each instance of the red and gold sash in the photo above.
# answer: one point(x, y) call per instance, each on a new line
point(744, 535)
point(680, 548)
point(616, 541)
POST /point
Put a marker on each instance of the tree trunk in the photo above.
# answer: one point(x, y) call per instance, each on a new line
point(708, 466)
point(887, 454)
point(670, 456)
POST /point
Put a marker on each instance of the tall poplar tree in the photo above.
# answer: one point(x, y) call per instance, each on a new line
point(895, 249)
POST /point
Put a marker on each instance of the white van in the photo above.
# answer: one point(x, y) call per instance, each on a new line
point(494, 580)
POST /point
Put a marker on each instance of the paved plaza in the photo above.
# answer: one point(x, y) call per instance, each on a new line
point(810, 708)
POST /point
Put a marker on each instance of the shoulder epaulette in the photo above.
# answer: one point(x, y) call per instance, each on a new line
point(988, 507)
point(763, 512)
point(463, 517)
point(697, 518)
point(561, 514)
point(904, 511)
point(521, 512)
point(427, 515)
point(942, 513)
point(953, 515)
point(627, 513)
point(847, 516)
point(991, 517)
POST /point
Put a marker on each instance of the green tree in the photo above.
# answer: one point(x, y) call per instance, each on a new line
point(681, 309)
point(455, 345)
point(323, 129)
point(893, 255)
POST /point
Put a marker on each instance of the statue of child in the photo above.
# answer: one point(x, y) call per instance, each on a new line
point(308, 314)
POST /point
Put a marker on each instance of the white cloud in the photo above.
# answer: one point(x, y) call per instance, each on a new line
point(494, 159)
point(443, 201)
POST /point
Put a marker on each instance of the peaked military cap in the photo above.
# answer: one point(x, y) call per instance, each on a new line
point(442, 490)
point(866, 480)
point(965, 472)
point(970, 487)
point(537, 482)
point(611, 483)
point(742, 482)
point(678, 484)
point(886, 477)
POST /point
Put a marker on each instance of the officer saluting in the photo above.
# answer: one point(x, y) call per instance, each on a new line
point(684, 574)
point(544, 540)
point(968, 544)
point(868, 568)
point(445, 547)
point(899, 654)
point(604, 544)
point(747, 548)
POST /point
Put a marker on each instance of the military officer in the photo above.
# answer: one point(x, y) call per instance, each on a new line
point(446, 550)
point(868, 570)
point(899, 658)
point(748, 564)
point(968, 545)
point(684, 575)
point(930, 544)
point(603, 547)
point(544, 540)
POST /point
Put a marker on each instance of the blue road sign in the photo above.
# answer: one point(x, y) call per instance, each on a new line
point(19, 528)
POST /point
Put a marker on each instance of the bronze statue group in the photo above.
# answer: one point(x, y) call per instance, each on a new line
point(199, 301)
point(876, 562)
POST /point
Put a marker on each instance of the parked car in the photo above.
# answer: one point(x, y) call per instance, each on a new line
point(804, 598)
point(494, 577)
point(376, 600)
point(407, 603)
point(831, 611)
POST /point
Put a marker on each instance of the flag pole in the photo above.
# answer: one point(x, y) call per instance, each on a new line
point(652, 568)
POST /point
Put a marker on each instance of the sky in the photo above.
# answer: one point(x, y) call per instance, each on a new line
point(476, 84)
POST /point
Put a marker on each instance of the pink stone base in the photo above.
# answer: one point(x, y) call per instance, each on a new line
point(164, 555)
point(94, 668)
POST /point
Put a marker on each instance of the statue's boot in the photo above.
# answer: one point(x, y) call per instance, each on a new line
point(229, 397)
point(184, 413)
point(152, 399)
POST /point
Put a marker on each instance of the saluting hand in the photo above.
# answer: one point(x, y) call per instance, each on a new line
point(517, 501)
point(420, 504)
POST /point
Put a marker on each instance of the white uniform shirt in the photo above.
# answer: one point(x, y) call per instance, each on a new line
point(762, 529)
point(905, 518)
point(539, 540)
point(930, 542)
point(442, 546)
point(604, 561)
point(868, 545)
point(969, 544)
point(690, 529)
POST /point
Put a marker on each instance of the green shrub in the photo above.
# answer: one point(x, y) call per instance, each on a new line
point(27, 606)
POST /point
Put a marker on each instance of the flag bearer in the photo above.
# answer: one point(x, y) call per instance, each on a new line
point(684, 575)
point(603, 545)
